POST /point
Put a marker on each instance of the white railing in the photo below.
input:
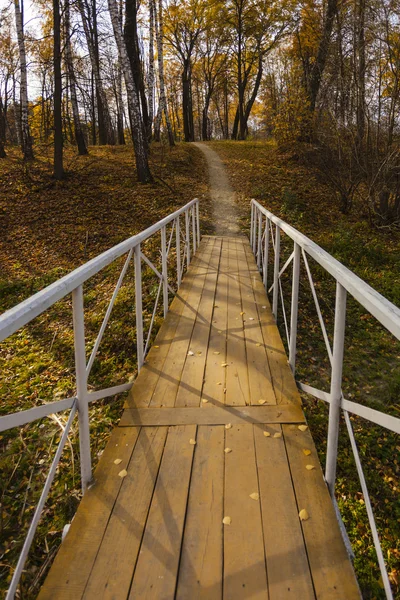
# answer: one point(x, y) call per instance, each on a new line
point(265, 232)
point(187, 239)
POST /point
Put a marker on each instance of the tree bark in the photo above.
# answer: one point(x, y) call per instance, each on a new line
point(26, 140)
point(139, 141)
point(151, 70)
point(360, 44)
point(187, 103)
point(160, 58)
point(78, 132)
point(58, 133)
point(2, 129)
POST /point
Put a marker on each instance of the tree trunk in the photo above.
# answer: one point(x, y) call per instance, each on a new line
point(79, 137)
point(139, 141)
point(360, 44)
point(2, 129)
point(58, 133)
point(26, 140)
point(106, 131)
point(187, 105)
point(160, 57)
point(132, 47)
point(151, 70)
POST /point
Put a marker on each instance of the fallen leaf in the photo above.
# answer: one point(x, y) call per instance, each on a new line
point(264, 306)
point(224, 390)
point(303, 427)
point(228, 450)
point(219, 383)
point(224, 364)
point(117, 461)
point(251, 318)
point(310, 467)
point(242, 313)
point(258, 344)
point(303, 514)
point(123, 473)
point(277, 434)
point(156, 346)
point(262, 401)
point(217, 353)
point(255, 496)
point(192, 441)
point(199, 352)
point(228, 426)
point(190, 353)
point(227, 520)
point(267, 434)
point(204, 400)
point(306, 452)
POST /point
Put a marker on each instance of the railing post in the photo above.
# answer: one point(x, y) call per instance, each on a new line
point(139, 307)
point(178, 250)
point(259, 240)
point(294, 308)
point(164, 270)
point(198, 222)
point(194, 229)
point(251, 224)
point(187, 228)
point(254, 229)
point(276, 272)
point(266, 251)
point(336, 387)
point(81, 386)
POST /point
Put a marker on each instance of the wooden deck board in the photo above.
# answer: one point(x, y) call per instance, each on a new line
point(158, 532)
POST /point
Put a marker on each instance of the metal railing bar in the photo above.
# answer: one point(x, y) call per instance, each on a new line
point(370, 414)
point(108, 313)
point(382, 309)
point(38, 511)
point(156, 271)
point(23, 417)
point(153, 317)
point(368, 506)
point(317, 306)
point(108, 392)
point(281, 272)
point(20, 315)
point(284, 313)
point(170, 238)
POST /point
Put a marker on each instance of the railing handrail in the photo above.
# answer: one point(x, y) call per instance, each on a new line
point(380, 307)
point(24, 312)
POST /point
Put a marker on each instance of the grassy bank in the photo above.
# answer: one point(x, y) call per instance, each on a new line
point(47, 229)
point(282, 182)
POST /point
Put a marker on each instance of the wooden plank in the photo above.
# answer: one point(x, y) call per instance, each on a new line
point(260, 379)
point(331, 569)
point(157, 566)
point(213, 415)
point(244, 561)
point(191, 383)
point(214, 374)
point(115, 562)
point(71, 569)
point(237, 384)
point(144, 385)
point(285, 388)
point(200, 570)
point(168, 382)
point(287, 565)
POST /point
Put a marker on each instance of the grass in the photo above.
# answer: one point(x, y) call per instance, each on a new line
point(47, 229)
point(281, 182)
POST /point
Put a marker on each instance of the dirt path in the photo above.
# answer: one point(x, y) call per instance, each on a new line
point(225, 213)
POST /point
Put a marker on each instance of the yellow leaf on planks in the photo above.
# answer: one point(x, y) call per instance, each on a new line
point(217, 353)
point(255, 496)
point(224, 364)
point(192, 441)
point(277, 434)
point(310, 467)
point(228, 426)
point(204, 400)
point(303, 427)
point(303, 514)
point(123, 473)
point(262, 401)
point(117, 461)
point(228, 450)
point(267, 434)
point(306, 452)
point(227, 520)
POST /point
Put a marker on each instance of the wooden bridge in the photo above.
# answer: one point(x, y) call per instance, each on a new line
point(198, 493)
point(210, 486)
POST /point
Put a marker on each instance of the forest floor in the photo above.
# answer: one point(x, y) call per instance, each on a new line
point(282, 182)
point(48, 228)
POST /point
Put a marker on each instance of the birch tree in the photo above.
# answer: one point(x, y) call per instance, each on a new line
point(26, 140)
point(78, 132)
point(160, 57)
point(139, 141)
